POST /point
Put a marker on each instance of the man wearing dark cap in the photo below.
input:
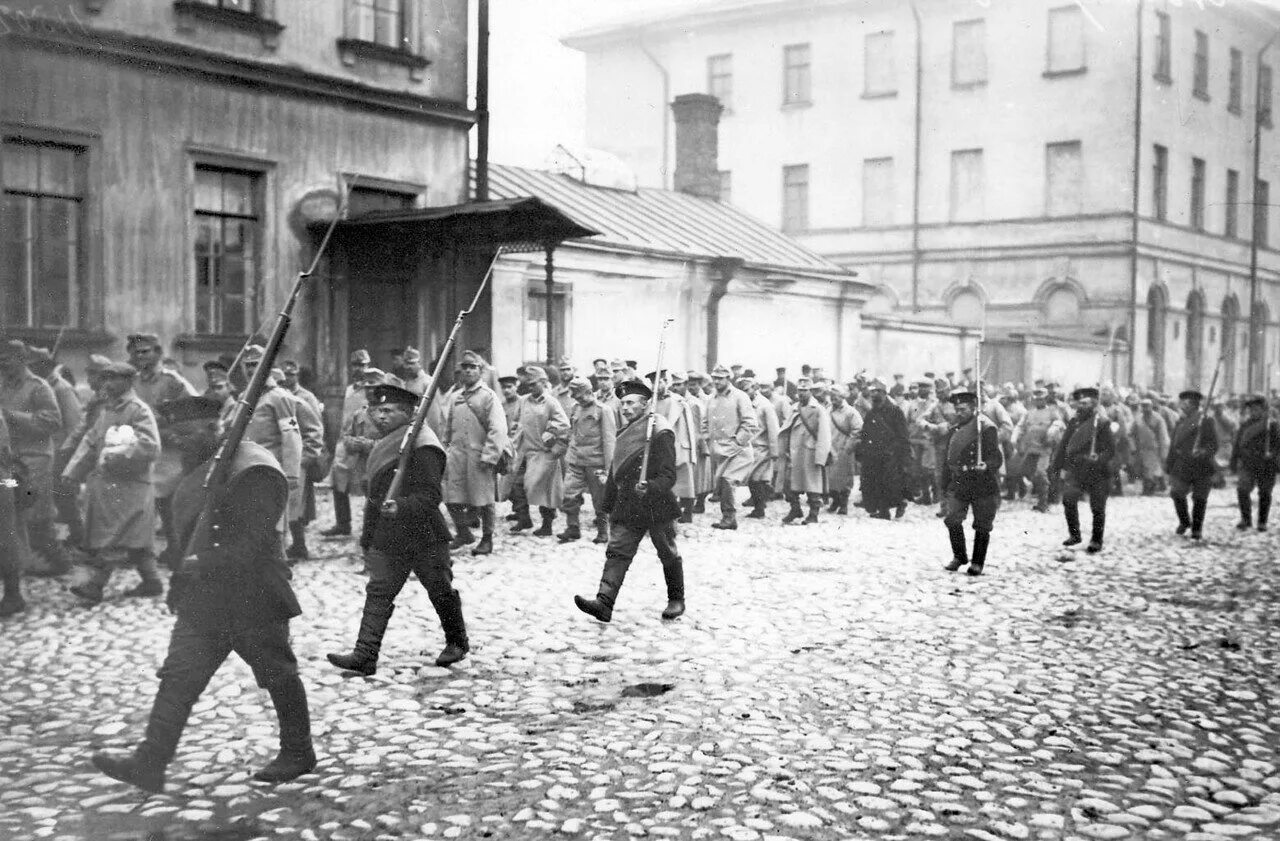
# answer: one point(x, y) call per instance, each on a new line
point(231, 593)
point(639, 505)
point(1189, 463)
point(473, 431)
point(1255, 455)
point(114, 460)
point(30, 409)
point(970, 480)
point(884, 454)
point(1083, 458)
point(540, 442)
point(215, 370)
point(403, 535)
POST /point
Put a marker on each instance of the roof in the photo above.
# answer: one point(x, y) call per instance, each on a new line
point(663, 221)
point(517, 219)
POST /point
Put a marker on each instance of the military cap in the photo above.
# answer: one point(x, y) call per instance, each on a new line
point(191, 408)
point(119, 369)
point(938, 382)
point(745, 382)
point(649, 377)
point(13, 347)
point(360, 357)
point(804, 383)
point(535, 373)
point(749, 373)
point(964, 395)
point(721, 371)
point(508, 380)
point(1085, 391)
point(632, 387)
point(412, 354)
point(579, 383)
point(384, 394)
point(781, 370)
point(1254, 400)
point(877, 385)
point(97, 363)
point(1040, 391)
point(630, 363)
point(821, 384)
point(924, 383)
point(470, 357)
point(39, 354)
point(145, 339)
point(372, 373)
point(697, 377)
point(678, 377)
point(929, 375)
point(215, 365)
point(1190, 394)
point(253, 354)
point(839, 390)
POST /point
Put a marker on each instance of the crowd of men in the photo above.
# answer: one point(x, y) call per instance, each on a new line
point(98, 458)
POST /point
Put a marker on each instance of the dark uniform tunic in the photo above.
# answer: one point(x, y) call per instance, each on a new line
point(1190, 461)
point(963, 485)
point(1084, 454)
point(633, 515)
point(1254, 458)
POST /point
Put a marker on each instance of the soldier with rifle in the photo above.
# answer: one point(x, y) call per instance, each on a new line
point(970, 472)
point(1254, 461)
point(1083, 458)
point(1190, 464)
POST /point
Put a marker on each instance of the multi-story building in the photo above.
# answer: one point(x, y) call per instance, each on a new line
point(162, 161)
point(1073, 170)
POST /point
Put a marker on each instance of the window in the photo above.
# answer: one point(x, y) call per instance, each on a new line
point(967, 199)
point(720, 79)
point(1261, 213)
point(795, 198)
point(40, 234)
point(228, 231)
point(535, 321)
point(880, 74)
point(966, 308)
point(795, 75)
point(877, 192)
point(969, 53)
point(1062, 306)
point(381, 22)
point(1064, 177)
point(1235, 81)
point(1160, 183)
point(1200, 73)
point(1164, 38)
point(1197, 194)
point(726, 187)
point(361, 200)
point(1066, 40)
point(1264, 94)
point(1232, 226)
point(249, 7)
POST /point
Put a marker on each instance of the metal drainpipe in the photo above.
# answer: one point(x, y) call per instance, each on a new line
point(550, 282)
point(1254, 341)
point(1137, 186)
point(482, 103)
point(915, 179)
point(666, 111)
point(723, 270)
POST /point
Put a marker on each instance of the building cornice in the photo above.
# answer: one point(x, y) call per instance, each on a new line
point(681, 21)
point(153, 53)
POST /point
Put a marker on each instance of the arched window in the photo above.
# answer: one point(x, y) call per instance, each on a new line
point(966, 308)
point(1230, 356)
point(1157, 307)
point(1062, 306)
point(1195, 339)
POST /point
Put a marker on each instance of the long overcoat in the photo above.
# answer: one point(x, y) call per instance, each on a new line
point(846, 425)
point(1150, 439)
point(805, 442)
point(157, 387)
point(681, 414)
point(474, 436)
point(275, 425)
point(541, 439)
point(765, 444)
point(347, 473)
point(731, 424)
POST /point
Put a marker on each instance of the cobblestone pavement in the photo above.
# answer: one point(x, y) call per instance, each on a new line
point(828, 681)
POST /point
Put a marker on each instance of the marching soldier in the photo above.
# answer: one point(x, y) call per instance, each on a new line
point(846, 425)
point(475, 440)
point(404, 535)
point(1150, 437)
point(970, 481)
point(1254, 459)
point(592, 434)
point(884, 450)
point(805, 444)
point(731, 425)
point(765, 447)
point(1190, 464)
point(1083, 458)
point(541, 439)
point(347, 474)
point(115, 459)
point(231, 593)
point(639, 505)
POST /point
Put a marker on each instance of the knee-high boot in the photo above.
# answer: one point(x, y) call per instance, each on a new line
point(1264, 507)
point(485, 546)
point(1180, 508)
point(1071, 511)
point(461, 517)
point(959, 552)
point(1246, 509)
point(1198, 506)
point(686, 509)
point(448, 605)
point(296, 756)
point(601, 607)
point(298, 546)
point(981, 539)
point(1099, 531)
point(363, 659)
point(673, 572)
point(145, 766)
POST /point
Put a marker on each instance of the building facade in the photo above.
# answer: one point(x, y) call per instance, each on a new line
point(163, 161)
point(1079, 168)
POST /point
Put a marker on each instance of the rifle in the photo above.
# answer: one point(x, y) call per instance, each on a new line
point(1213, 386)
point(653, 404)
point(424, 405)
point(979, 465)
point(1102, 367)
point(1266, 413)
point(215, 480)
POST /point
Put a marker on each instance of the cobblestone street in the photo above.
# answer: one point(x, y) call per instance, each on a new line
point(829, 681)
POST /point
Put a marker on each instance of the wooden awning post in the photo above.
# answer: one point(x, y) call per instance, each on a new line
point(550, 284)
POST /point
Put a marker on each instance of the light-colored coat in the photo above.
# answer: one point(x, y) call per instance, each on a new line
point(474, 438)
point(765, 444)
point(682, 416)
point(730, 423)
point(119, 498)
point(806, 449)
point(542, 436)
point(846, 423)
point(1150, 436)
point(347, 473)
point(274, 425)
point(156, 387)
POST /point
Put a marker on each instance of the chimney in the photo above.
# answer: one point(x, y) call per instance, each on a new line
point(697, 117)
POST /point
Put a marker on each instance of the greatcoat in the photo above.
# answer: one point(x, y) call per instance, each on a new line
point(347, 473)
point(275, 426)
point(1150, 437)
point(541, 439)
point(730, 424)
point(682, 416)
point(765, 444)
point(474, 438)
point(805, 442)
point(846, 425)
point(156, 387)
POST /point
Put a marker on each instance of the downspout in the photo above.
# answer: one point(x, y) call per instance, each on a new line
point(915, 178)
point(722, 271)
point(550, 285)
point(482, 103)
point(1137, 186)
point(1256, 343)
point(666, 112)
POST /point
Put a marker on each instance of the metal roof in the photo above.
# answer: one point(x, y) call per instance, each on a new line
point(523, 218)
point(662, 221)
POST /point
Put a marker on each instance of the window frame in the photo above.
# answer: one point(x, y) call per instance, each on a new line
point(1231, 220)
point(1164, 48)
point(1049, 148)
point(867, 91)
point(952, 191)
point(713, 76)
point(1051, 72)
point(1260, 228)
point(787, 225)
point(1200, 66)
point(803, 71)
point(1199, 177)
point(562, 303)
point(1235, 81)
point(1160, 182)
point(1264, 113)
point(868, 166)
point(958, 84)
point(260, 19)
point(355, 44)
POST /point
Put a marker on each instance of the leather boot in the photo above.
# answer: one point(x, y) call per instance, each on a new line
point(1198, 507)
point(12, 602)
point(144, 766)
point(815, 503)
point(758, 499)
point(834, 502)
point(1264, 509)
point(456, 645)
point(373, 626)
point(700, 504)
point(297, 550)
point(1246, 510)
point(843, 502)
point(959, 552)
point(462, 535)
point(522, 519)
point(601, 607)
point(296, 756)
point(795, 513)
point(548, 517)
point(341, 515)
point(1184, 518)
point(1095, 539)
point(602, 531)
point(1071, 511)
point(981, 539)
point(727, 522)
point(686, 510)
point(674, 574)
point(485, 546)
point(572, 529)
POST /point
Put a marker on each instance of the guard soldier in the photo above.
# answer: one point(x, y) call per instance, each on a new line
point(404, 535)
point(1084, 455)
point(805, 444)
point(731, 425)
point(592, 433)
point(1189, 464)
point(1254, 458)
point(231, 593)
point(970, 479)
point(474, 433)
point(638, 505)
